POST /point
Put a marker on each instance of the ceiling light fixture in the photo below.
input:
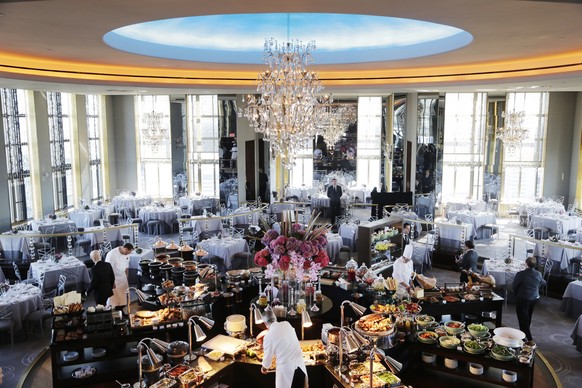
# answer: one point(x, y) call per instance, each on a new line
point(512, 133)
point(288, 110)
point(336, 121)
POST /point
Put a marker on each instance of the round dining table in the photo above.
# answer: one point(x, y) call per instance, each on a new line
point(22, 299)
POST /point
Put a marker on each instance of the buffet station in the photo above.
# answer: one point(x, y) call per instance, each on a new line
point(186, 325)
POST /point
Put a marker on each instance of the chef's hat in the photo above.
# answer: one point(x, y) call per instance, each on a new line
point(407, 251)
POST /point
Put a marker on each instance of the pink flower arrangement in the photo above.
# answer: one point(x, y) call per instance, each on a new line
point(301, 250)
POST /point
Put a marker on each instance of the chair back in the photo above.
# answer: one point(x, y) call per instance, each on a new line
point(5, 312)
point(16, 271)
point(547, 268)
point(105, 247)
point(61, 285)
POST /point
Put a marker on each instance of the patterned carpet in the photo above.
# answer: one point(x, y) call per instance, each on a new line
point(16, 362)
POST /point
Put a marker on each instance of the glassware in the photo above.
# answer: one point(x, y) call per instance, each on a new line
point(351, 267)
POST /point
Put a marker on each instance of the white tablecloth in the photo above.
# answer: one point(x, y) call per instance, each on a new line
point(280, 207)
point(112, 235)
point(165, 214)
point(498, 268)
point(453, 236)
point(302, 193)
point(86, 218)
point(551, 220)
point(349, 234)
point(16, 243)
point(477, 219)
point(323, 201)
point(572, 299)
point(421, 254)
point(61, 225)
point(246, 219)
point(360, 193)
point(225, 248)
point(560, 254)
point(577, 334)
point(471, 205)
point(135, 258)
point(540, 208)
point(206, 224)
point(52, 271)
point(198, 203)
point(22, 299)
point(334, 244)
point(130, 202)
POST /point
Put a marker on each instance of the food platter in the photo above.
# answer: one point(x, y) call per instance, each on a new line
point(502, 353)
point(449, 342)
point(146, 314)
point(375, 325)
point(454, 327)
point(474, 347)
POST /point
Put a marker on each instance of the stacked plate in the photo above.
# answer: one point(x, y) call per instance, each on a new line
point(509, 337)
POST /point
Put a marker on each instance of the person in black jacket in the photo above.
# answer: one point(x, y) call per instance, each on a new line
point(526, 287)
point(468, 262)
point(102, 279)
point(334, 193)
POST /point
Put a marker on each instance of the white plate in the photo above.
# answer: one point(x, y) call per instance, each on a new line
point(70, 356)
point(84, 372)
point(99, 352)
point(511, 343)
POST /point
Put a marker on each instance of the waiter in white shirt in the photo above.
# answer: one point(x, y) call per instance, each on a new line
point(404, 269)
point(281, 342)
point(119, 260)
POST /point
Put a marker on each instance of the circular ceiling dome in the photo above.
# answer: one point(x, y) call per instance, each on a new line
point(240, 38)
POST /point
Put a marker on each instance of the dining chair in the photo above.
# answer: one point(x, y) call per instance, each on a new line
point(16, 271)
point(548, 265)
point(508, 288)
point(61, 285)
point(105, 247)
point(43, 313)
point(6, 323)
point(238, 233)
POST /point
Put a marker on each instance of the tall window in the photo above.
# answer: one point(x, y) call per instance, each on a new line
point(59, 108)
point(463, 148)
point(155, 146)
point(203, 144)
point(14, 118)
point(302, 171)
point(369, 141)
point(94, 132)
point(523, 168)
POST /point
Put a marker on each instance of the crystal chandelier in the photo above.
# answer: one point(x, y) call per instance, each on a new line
point(288, 108)
point(154, 131)
point(513, 133)
point(336, 121)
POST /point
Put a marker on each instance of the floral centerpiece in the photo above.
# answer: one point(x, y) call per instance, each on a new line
point(295, 252)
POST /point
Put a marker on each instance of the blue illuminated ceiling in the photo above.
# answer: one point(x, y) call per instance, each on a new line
point(240, 38)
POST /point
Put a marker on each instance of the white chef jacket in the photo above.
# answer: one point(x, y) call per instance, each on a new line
point(281, 342)
point(119, 263)
point(402, 271)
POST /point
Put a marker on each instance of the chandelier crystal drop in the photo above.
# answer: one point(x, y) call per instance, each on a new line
point(513, 133)
point(336, 121)
point(288, 108)
point(154, 131)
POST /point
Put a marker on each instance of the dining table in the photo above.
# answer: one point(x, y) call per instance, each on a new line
point(576, 334)
point(17, 246)
point(99, 234)
point(302, 193)
point(196, 203)
point(409, 217)
point(131, 203)
point(452, 236)
point(224, 247)
point(572, 299)
point(86, 218)
point(557, 223)
point(165, 214)
point(498, 269)
point(359, 193)
point(63, 266)
point(244, 216)
point(334, 244)
point(205, 224)
point(134, 259)
point(421, 254)
point(477, 218)
point(22, 299)
point(560, 253)
point(60, 225)
point(468, 205)
point(349, 234)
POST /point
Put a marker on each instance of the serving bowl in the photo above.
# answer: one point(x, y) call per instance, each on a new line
point(509, 376)
point(449, 342)
point(476, 369)
point(509, 336)
point(474, 347)
point(454, 327)
point(478, 331)
point(424, 320)
point(427, 337)
point(451, 363)
point(502, 353)
point(428, 357)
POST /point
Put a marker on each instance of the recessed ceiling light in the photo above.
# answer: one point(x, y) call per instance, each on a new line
point(534, 87)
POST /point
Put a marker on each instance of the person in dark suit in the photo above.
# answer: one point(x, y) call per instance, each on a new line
point(468, 261)
point(334, 193)
point(102, 279)
point(405, 235)
point(526, 287)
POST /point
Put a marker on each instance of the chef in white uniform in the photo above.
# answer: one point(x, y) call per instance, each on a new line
point(119, 260)
point(404, 269)
point(281, 342)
